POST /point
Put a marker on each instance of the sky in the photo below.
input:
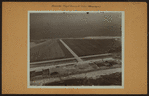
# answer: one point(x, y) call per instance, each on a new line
point(74, 25)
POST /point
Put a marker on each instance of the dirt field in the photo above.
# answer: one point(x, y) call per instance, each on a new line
point(47, 51)
point(84, 47)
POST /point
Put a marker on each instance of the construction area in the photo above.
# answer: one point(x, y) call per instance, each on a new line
point(76, 62)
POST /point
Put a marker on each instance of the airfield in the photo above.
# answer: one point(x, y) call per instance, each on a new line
point(55, 61)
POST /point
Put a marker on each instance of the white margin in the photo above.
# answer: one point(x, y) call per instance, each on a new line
point(75, 87)
point(123, 45)
point(28, 52)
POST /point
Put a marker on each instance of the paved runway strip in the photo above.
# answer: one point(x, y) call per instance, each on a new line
point(74, 54)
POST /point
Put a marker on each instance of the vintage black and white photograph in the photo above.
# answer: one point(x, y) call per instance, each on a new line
point(75, 49)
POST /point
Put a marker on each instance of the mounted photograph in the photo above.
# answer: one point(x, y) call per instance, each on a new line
point(75, 49)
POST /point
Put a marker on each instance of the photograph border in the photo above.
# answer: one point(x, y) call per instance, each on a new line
point(75, 87)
